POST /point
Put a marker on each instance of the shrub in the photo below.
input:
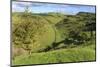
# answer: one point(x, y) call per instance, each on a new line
point(31, 32)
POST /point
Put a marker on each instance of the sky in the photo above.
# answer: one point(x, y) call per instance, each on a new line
point(50, 7)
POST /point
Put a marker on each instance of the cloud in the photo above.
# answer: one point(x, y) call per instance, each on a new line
point(24, 4)
point(47, 7)
point(16, 7)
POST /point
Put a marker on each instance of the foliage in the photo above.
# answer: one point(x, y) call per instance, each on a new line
point(27, 32)
point(76, 27)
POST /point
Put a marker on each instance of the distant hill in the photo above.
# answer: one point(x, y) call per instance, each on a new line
point(85, 13)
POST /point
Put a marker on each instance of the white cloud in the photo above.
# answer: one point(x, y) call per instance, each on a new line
point(16, 7)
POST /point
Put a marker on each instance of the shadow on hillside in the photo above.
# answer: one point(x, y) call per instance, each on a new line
point(66, 42)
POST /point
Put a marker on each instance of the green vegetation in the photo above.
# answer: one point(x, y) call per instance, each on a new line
point(52, 37)
point(82, 53)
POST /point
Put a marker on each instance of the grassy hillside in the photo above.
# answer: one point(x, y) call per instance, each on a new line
point(81, 53)
point(52, 38)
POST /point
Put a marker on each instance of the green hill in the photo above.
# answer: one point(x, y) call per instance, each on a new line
point(46, 36)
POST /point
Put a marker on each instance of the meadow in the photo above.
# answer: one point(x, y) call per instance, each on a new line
point(43, 38)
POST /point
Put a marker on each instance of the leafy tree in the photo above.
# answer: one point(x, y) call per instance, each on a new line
point(90, 23)
point(73, 27)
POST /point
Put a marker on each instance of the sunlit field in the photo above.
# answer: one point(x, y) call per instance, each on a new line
point(45, 33)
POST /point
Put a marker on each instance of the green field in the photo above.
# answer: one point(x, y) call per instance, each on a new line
point(82, 53)
point(52, 38)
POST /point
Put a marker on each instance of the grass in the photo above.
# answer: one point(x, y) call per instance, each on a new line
point(82, 53)
point(38, 32)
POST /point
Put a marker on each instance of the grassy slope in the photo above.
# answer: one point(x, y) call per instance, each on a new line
point(82, 53)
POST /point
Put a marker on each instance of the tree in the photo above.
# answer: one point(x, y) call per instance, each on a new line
point(72, 27)
point(90, 23)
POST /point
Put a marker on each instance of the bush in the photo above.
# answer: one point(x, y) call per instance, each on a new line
point(31, 32)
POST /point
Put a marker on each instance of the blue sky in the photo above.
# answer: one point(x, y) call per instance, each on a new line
point(45, 8)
